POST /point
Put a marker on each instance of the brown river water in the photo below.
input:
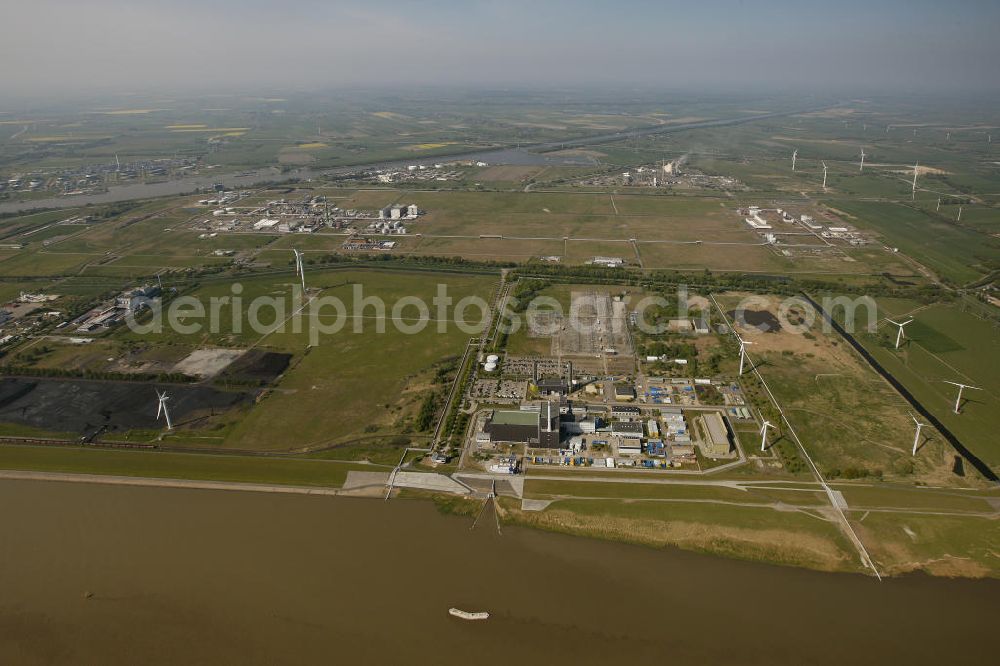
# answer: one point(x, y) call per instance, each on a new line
point(95, 574)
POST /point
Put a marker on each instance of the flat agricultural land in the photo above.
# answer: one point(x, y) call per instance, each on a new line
point(946, 342)
point(351, 383)
point(653, 231)
point(847, 417)
point(955, 253)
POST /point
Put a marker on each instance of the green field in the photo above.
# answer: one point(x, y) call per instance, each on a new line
point(947, 343)
point(377, 375)
point(538, 488)
point(793, 538)
point(955, 253)
point(851, 422)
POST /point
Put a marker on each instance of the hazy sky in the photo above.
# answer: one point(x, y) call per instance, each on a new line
point(897, 45)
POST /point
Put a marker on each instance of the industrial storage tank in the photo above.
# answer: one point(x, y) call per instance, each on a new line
point(492, 358)
point(490, 367)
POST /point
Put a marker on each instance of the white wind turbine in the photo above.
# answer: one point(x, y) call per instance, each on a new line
point(795, 153)
point(824, 176)
point(743, 352)
point(299, 269)
point(916, 438)
point(961, 387)
point(913, 189)
point(763, 433)
point(862, 169)
point(162, 410)
point(899, 335)
point(959, 218)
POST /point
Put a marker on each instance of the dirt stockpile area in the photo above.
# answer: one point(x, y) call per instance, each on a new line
point(257, 366)
point(79, 406)
point(762, 320)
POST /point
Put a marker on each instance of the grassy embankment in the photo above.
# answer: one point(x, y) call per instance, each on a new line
point(163, 465)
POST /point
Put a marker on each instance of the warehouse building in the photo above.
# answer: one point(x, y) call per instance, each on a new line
point(625, 412)
point(624, 392)
point(627, 429)
point(629, 447)
point(717, 443)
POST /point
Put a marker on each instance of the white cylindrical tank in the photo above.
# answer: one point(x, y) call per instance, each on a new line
point(492, 358)
point(490, 367)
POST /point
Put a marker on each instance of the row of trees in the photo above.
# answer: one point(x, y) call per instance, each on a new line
point(31, 371)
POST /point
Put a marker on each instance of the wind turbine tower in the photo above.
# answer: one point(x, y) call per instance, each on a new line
point(961, 387)
point(824, 176)
point(795, 153)
point(862, 169)
point(299, 269)
point(743, 352)
point(899, 335)
point(913, 188)
point(916, 438)
point(763, 434)
point(959, 218)
point(162, 410)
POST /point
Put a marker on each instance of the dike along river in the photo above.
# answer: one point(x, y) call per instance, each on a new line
point(129, 575)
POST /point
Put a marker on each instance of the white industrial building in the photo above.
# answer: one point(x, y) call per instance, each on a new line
point(610, 262)
point(810, 223)
point(757, 222)
point(399, 212)
point(628, 447)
